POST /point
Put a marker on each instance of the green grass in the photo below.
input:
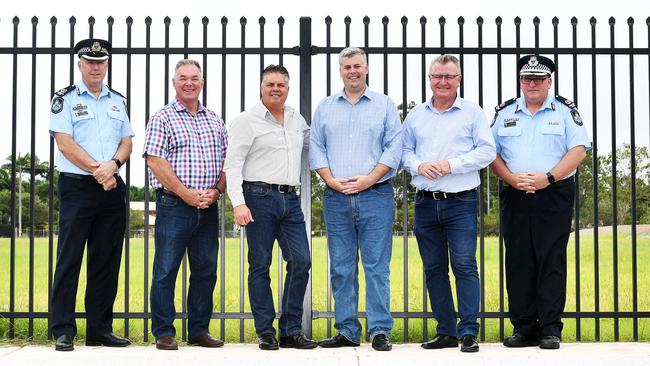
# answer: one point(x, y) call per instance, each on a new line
point(319, 289)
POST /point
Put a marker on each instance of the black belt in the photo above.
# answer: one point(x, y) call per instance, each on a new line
point(438, 195)
point(282, 188)
point(82, 176)
point(77, 176)
point(377, 185)
point(167, 192)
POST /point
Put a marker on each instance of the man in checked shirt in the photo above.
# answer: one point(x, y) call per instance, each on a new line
point(185, 147)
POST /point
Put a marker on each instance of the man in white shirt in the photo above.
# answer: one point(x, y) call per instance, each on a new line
point(263, 170)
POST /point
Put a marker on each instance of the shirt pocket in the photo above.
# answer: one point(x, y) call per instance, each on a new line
point(511, 141)
point(82, 126)
point(552, 139)
point(296, 136)
point(116, 122)
point(180, 137)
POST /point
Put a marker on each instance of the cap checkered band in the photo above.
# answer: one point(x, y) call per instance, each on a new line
point(535, 68)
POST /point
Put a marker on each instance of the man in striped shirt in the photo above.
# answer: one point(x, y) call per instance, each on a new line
point(185, 147)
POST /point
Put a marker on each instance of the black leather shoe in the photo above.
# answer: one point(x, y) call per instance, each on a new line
point(381, 343)
point(337, 341)
point(298, 341)
point(519, 340)
point(64, 343)
point(206, 340)
point(549, 342)
point(268, 342)
point(468, 343)
point(108, 340)
point(441, 341)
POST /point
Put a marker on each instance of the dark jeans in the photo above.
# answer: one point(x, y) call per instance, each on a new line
point(87, 213)
point(536, 230)
point(446, 231)
point(278, 216)
point(180, 227)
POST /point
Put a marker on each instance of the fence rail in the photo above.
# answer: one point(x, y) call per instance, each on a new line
point(587, 66)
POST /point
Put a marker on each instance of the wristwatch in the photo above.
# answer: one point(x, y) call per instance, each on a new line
point(117, 162)
point(550, 177)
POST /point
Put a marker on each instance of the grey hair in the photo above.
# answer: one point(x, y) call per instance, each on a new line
point(350, 52)
point(443, 59)
point(187, 61)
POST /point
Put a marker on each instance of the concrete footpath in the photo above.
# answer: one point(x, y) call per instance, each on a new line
point(570, 354)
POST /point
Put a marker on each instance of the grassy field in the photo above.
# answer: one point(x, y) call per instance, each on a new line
point(319, 289)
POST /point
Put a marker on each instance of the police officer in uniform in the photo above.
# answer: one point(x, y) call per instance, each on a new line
point(540, 140)
point(90, 125)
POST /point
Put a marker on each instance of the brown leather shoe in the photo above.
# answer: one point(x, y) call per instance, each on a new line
point(167, 343)
point(206, 340)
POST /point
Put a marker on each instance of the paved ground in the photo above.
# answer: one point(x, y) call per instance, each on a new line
point(573, 354)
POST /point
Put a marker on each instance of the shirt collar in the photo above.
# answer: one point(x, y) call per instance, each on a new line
point(548, 103)
point(366, 94)
point(84, 89)
point(261, 110)
point(180, 107)
point(458, 104)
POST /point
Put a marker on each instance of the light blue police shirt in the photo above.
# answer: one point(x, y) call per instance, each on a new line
point(528, 143)
point(352, 138)
point(97, 125)
point(460, 134)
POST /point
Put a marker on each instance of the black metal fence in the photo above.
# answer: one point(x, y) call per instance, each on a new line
point(588, 63)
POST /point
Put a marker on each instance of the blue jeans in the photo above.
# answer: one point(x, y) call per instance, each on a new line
point(180, 227)
point(360, 223)
point(446, 230)
point(278, 216)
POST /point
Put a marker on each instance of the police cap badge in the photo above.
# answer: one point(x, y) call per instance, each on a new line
point(533, 65)
point(93, 49)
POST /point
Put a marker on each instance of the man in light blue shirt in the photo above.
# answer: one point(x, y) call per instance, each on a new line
point(355, 147)
point(541, 140)
point(90, 124)
point(446, 141)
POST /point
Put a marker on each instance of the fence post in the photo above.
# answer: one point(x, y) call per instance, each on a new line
point(305, 175)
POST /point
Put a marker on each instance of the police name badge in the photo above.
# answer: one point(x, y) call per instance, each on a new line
point(79, 107)
point(115, 109)
point(57, 105)
point(510, 122)
point(553, 123)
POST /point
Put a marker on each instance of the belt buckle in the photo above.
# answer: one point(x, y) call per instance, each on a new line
point(439, 196)
point(283, 188)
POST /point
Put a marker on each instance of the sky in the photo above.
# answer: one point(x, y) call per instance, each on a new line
point(337, 9)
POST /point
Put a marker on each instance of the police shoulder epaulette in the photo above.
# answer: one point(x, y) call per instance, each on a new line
point(565, 101)
point(500, 107)
point(64, 91)
point(504, 104)
point(116, 92)
point(574, 111)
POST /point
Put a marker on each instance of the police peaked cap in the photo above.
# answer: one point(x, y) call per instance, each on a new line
point(534, 65)
point(93, 49)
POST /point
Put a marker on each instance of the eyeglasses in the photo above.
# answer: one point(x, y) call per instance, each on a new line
point(528, 80)
point(440, 77)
